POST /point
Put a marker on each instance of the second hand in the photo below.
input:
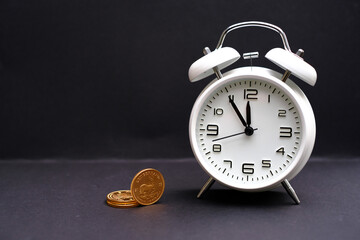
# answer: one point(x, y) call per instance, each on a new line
point(233, 135)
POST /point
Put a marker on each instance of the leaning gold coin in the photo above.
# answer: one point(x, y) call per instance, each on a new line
point(147, 186)
point(121, 196)
point(122, 205)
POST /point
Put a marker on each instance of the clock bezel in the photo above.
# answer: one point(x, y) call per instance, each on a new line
point(299, 100)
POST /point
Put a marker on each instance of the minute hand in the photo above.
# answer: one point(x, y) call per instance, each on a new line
point(232, 135)
point(237, 111)
point(248, 114)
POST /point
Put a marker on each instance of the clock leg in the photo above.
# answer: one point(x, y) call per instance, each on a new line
point(206, 186)
point(290, 191)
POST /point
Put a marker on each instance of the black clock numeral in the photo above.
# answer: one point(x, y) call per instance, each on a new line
point(213, 130)
point(281, 150)
point(248, 168)
point(217, 148)
point(282, 113)
point(218, 111)
point(285, 132)
point(228, 161)
point(266, 163)
point(250, 93)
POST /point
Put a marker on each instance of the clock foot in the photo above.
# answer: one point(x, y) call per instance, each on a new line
point(290, 191)
point(206, 186)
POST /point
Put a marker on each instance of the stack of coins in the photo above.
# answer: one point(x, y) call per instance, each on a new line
point(147, 188)
point(121, 199)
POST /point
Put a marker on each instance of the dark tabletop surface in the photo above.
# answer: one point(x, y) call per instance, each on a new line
point(64, 199)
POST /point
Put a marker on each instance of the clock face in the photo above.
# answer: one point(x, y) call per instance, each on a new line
point(247, 132)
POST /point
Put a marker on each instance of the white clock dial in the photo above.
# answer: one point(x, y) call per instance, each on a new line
point(248, 132)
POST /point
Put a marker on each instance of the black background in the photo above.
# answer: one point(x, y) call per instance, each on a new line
point(85, 81)
point(90, 79)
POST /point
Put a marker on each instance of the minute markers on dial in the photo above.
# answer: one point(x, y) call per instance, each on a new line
point(270, 113)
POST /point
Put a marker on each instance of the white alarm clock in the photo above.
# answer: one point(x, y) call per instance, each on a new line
point(252, 128)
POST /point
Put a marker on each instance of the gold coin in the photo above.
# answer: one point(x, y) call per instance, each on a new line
point(121, 196)
point(147, 186)
point(122, 205)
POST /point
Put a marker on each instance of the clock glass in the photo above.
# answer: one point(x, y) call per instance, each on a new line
point(247, 132)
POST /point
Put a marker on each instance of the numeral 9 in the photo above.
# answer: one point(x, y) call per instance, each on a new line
point(213, 130)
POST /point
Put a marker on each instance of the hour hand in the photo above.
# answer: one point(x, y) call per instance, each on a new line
point(237, 111)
